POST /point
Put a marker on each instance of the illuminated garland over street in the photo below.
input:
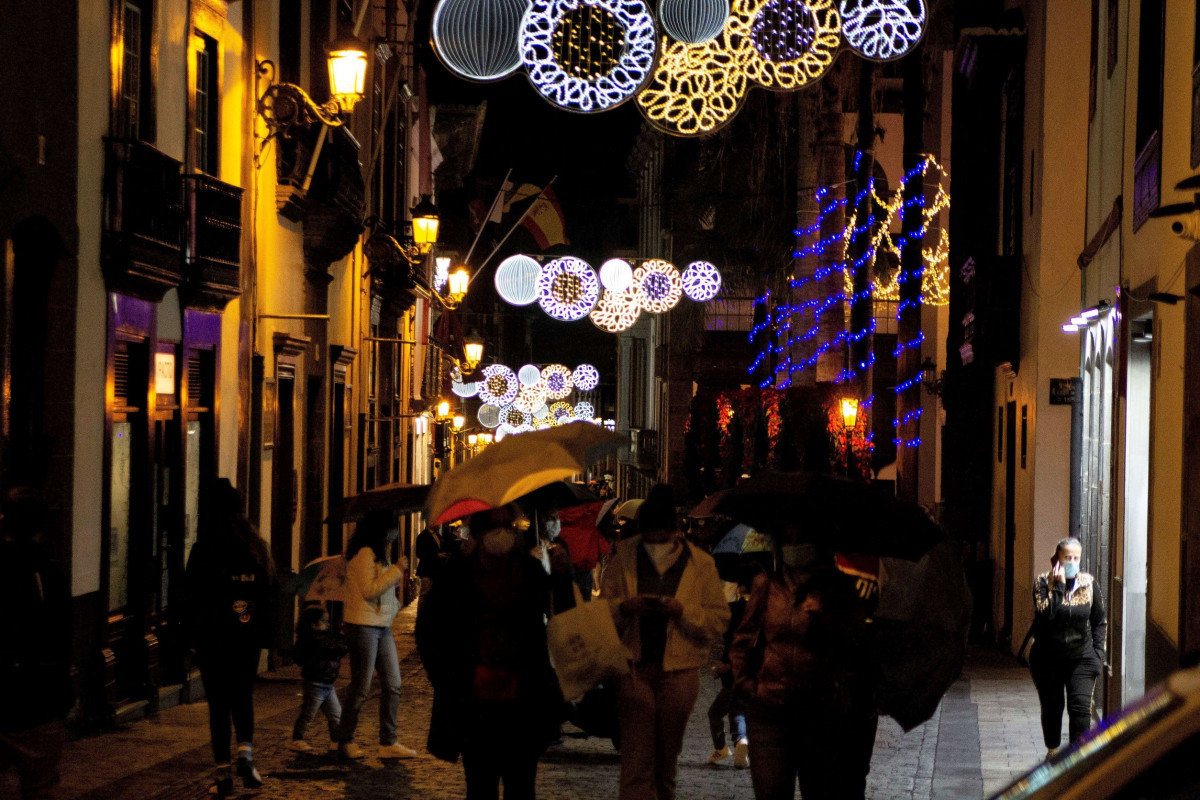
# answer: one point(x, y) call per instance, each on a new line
point(882, 30)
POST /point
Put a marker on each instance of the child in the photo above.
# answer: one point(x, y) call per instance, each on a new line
point(319, 653)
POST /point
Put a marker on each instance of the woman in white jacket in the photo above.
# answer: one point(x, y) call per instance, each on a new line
point(370, 606)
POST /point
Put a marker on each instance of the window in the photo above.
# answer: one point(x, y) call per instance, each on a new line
point(1095, 60)
point(289, 41)
point(1114, 15)
point(1195, 160)
point(1148, 140)
point(133, 118)
point(729, 314)
point(207, 132)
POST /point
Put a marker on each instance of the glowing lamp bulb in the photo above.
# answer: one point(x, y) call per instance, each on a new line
point(347, 73)
point(849, 411)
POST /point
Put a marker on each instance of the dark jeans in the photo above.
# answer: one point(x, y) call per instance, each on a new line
point(726, 705)
point(829, 754)
point(584, 581)
point(318, 697)
point(497, 749)
point(1055, 676)
point(229, 687)
point(372, 649)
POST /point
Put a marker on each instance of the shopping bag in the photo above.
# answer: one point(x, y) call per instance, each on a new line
point(585, 648)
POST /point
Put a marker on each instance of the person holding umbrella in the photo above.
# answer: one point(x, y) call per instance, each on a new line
point(669, 607)
point(801, 662)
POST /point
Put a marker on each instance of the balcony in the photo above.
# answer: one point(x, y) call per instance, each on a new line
point(142, 245)
point(214, 239)
point(643, 448)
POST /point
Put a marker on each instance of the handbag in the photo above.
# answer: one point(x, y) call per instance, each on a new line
point(584, 647)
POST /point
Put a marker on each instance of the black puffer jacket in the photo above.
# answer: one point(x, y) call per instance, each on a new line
point(1069, 627)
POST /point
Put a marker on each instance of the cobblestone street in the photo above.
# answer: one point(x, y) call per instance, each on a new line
point(984, 733)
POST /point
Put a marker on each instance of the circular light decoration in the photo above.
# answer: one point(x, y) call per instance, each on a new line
point(793, 42)
point(477, 39)
point(557, 380)
point(882, 30)
point(585, 377)
point(693, 21)
point(541, 412)
point(587, 55)
point(616, 311)
point(502, 430)
point(567, 288)
point(499, 386)
point(616, 274)
point(489, 416)
point(517, 280)
point(584, 411)
point(524, 428)
point(701, 281)
point(659, 286)
point(529, 375)
point(464, 389)
point(561, 413)
point(531, 398)
point(513, 416)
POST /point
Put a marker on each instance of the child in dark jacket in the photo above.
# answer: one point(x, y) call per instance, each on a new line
point(319, 653)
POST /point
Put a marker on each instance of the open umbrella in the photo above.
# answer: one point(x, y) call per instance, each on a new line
point(321, 579)
point(628, 509)
point(739, 549)
point(559, 494)
point(396, 497)
point(846, 516)
point(517, 465)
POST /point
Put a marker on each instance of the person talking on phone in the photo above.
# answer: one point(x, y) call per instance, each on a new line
point(669, 607)
point(1067, 655)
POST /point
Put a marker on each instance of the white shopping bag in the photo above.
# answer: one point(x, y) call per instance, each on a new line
point(585, 648)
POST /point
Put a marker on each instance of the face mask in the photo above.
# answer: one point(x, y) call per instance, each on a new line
point(499, 542)
point(659, 552)
point(553, 528)
point(798, 555)
point(1070, 569)
point(393, 535)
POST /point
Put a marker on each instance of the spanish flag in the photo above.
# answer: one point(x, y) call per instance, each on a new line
point(545, 219)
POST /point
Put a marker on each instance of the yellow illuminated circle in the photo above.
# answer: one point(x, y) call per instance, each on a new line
point(616, 311)
point(779, 59)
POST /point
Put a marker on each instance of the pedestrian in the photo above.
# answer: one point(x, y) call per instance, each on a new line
point(230, 600)
point(370, 607)
point(1068, 649)
point(727, 703)
point(319, 653)
point(482, 640)
point(801, 664)
point(35, 647)
point(669, 608)
point(433, 550)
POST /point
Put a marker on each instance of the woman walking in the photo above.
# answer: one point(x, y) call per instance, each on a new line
point(371, 605)
point(230, 591)
point(669, 608)
point(1067, 655)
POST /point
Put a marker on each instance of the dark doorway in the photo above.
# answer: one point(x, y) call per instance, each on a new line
point(283, 484)
point(1010, 522)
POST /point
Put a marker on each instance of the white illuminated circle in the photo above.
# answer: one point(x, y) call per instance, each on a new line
point(693, 21)
point(584, 411)
point(882, 30)
point(567, 288)
point(489, 416)
point(464, 389)
point(585, 377)
point(616, 274)
point(588, 55)
point(529, 375)
point(502, 430)
point(513, 416)
point(530, 398)
point(557, 380)
point(524, 428)
point(617, 311)
point(499, 386)
point(701, 281)
point(659, 286)
point(477, 39)
point(516, 280)
point(561, 413)
point(541, 412)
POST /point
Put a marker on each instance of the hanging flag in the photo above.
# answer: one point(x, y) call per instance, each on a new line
point(545, 221)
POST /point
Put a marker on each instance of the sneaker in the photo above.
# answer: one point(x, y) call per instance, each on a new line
point(300, 746)
point(1052, 752)
point(720, 755)
point(396, 750)
point(741, 754)
point(249, 775)
point(350, 750)
point(222, 788)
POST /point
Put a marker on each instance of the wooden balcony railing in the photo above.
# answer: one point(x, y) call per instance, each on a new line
point(213, 242)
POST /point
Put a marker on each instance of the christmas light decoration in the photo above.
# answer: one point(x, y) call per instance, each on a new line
point(794, 41)
point(584, 411)
point(529, 375)
point(882, 30)
point(617, 311)
point(567, 288)
point(489, 415)
point(561, 412)
point(616, 274)
point(517, 280)
point(502, 430)
point(542, 412)
point(513, 416)
point(441, 273)
point(587, 55)
point(659, 286)
point(693, 21)
point(585, 377)
point(557, 380)
point(530, 398)
point(499, 386)
point(477, 39)
point(464, 389)
point(701, 281)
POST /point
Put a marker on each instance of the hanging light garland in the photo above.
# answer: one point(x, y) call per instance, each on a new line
point(882, 30)
point(514, 417)
point(477, 39)
point(616, 274)
point(693, 21)
point(659, 286)
point(701, 281)
point(557, 380)
point(516, 280)
point(531, 398)
point(585, 377)
point(499, 386)
point(561, 412)
point(584, 411)
point(567, 288)
point(464, 389)
point(794, 41)
point(617, 311)
point(489, 415)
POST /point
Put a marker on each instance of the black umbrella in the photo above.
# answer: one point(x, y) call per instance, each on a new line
point(395, 497)
point(560, 494)
point(847, 516)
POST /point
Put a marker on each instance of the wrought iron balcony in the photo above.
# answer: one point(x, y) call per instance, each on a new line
point(142, 244)
point(214, 238)
point(643, 448)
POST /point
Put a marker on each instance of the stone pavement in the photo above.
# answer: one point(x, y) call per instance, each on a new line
point(984, 734)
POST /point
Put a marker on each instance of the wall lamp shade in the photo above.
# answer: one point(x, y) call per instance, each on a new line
point(457, 284)
point(849, 412)
point(425, 224)
point(472, 439)
point(458, 422)
point(347, 72)
point(473, 350)
point(443, 409)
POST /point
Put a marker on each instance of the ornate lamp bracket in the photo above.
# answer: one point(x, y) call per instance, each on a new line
point(285, 106)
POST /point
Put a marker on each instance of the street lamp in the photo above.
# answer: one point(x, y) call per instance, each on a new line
point(485, 438)
point(472, 439)
point(458, 422)
point(849, 412)
point(284, 105)
point(347, 72)
point(424, 224)
point(457, 285)
point(473, 350)
point(443, 409)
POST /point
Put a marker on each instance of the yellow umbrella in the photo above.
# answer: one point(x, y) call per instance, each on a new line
point(517, 465)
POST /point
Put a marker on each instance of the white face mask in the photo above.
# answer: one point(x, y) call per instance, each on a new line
point(553, 528)
point(659, 552)
point(499, 542)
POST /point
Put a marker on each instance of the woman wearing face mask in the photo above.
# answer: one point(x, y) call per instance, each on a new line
point(669, 607)
point(370, 606)
point(482, 640)
point(801, 665)
point(1068, 647)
